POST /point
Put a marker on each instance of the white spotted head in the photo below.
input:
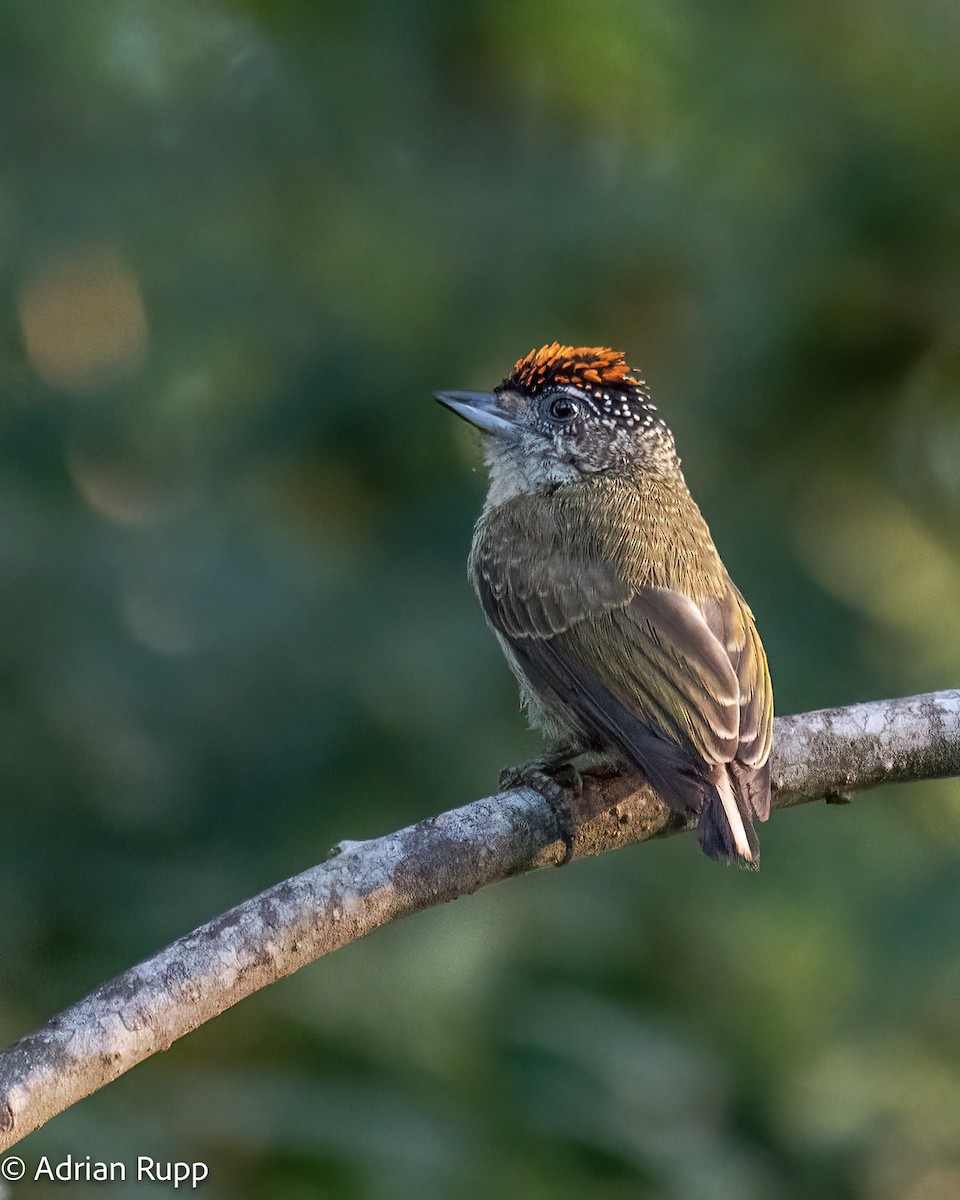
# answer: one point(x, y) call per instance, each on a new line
point(565, 412)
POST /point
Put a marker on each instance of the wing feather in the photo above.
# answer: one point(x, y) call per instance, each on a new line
point(732, 622)
point(676, 687)
point(526, 581)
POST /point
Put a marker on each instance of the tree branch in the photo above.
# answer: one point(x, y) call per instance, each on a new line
point(368, 884)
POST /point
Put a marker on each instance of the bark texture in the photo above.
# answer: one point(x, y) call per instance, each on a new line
point(364, 885)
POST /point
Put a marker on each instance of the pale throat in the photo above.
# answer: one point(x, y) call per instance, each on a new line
point(513, 474)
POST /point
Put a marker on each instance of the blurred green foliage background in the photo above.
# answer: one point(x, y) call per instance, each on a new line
point(240, 245)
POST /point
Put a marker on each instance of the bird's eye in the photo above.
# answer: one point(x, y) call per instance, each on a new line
point(563, 408)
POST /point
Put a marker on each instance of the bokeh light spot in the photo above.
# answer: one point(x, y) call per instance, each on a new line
point(83, 320)
point(127, 485)
point(159, 619)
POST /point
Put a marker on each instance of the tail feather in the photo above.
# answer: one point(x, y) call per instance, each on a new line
point(754, 784)
point(725, 799)
point(726, 822)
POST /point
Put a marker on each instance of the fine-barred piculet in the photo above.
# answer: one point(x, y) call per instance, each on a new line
point(601, 581)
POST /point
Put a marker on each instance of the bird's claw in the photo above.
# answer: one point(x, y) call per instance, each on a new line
point(559, 784)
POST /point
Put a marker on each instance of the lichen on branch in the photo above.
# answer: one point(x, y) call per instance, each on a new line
point(363, 885)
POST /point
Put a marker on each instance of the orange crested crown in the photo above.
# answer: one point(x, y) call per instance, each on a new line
point(588, 367)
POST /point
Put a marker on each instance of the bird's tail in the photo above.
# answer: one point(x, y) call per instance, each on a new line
point(739, 795)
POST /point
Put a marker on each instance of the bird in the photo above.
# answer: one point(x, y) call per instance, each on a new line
point(599, 577)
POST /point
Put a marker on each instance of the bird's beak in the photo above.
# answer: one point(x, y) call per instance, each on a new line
point(483, 410)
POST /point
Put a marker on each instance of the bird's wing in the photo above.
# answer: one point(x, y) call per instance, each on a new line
point(644, 668)
point(528, 586)
point(652, 663)
point(731, 621)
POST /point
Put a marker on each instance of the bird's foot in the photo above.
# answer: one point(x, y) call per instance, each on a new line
point(560, 784)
